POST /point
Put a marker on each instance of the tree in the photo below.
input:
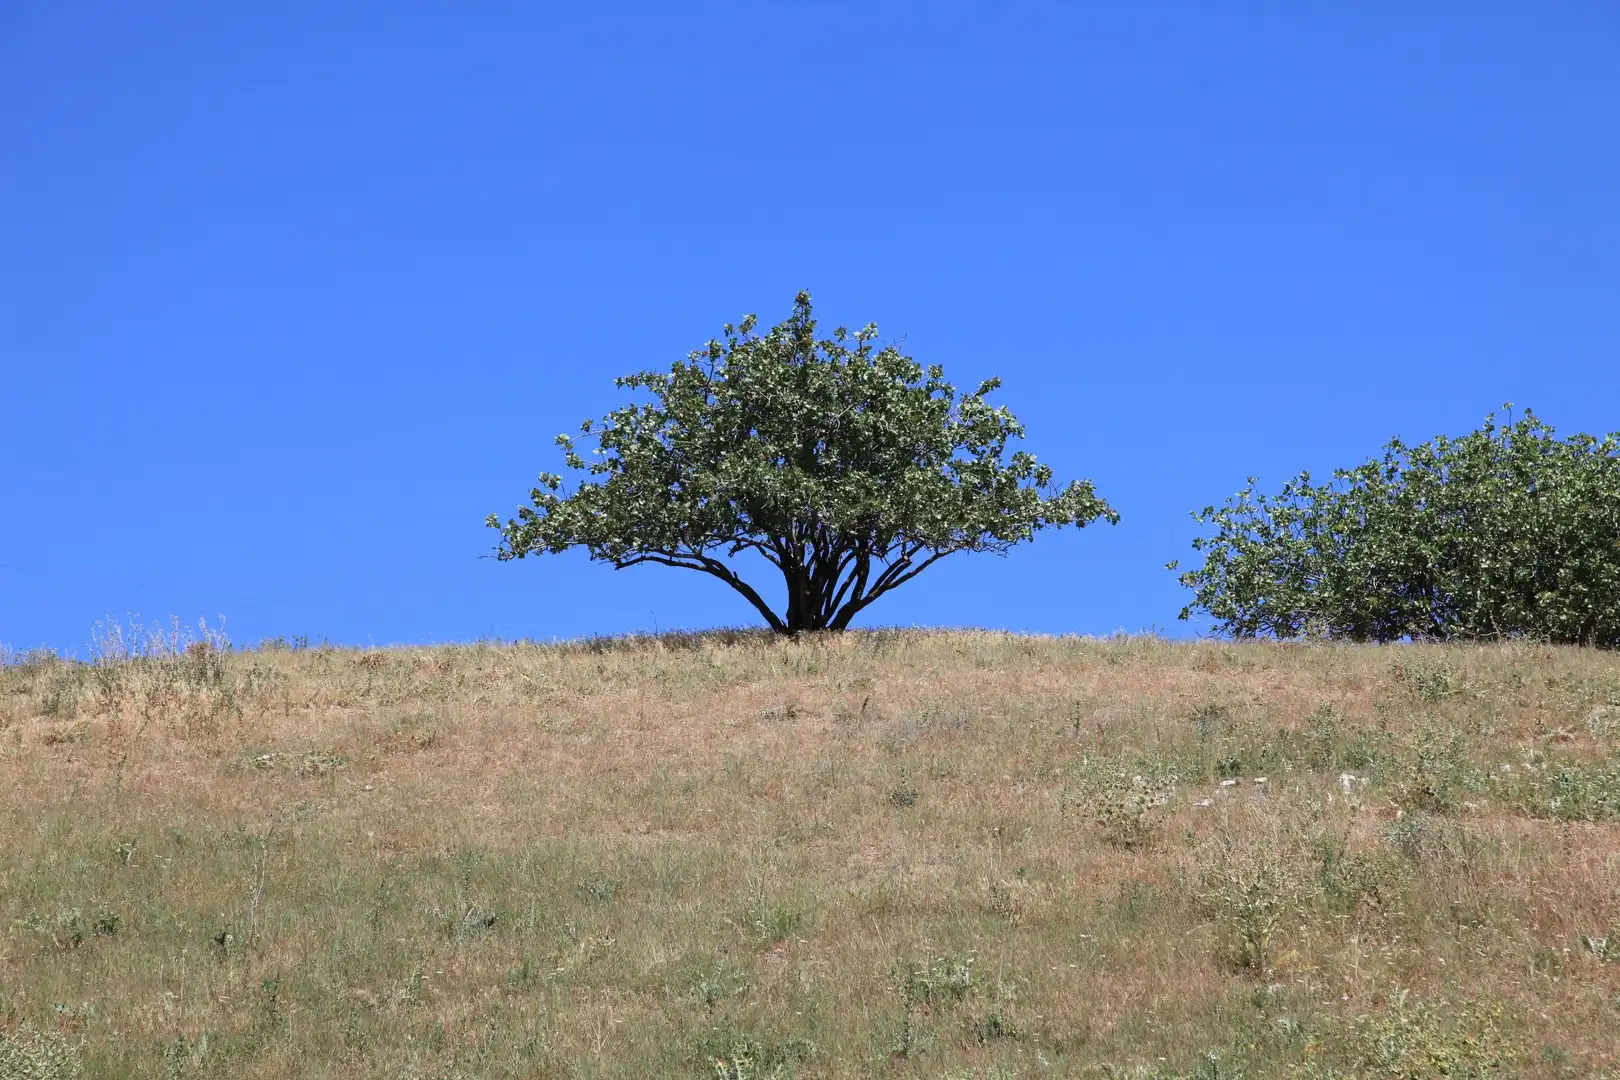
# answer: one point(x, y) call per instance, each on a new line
point(1506, 531)
point(849, 468)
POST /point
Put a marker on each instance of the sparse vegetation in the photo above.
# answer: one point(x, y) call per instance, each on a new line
point(894, 853)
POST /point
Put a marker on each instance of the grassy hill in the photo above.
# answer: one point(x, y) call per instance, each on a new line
point(887, 854)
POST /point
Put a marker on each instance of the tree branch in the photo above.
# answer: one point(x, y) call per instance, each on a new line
point(714, 568)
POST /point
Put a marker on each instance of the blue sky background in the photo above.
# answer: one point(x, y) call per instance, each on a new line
point(293, 295)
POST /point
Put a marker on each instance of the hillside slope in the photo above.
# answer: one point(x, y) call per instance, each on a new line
point(892, 853)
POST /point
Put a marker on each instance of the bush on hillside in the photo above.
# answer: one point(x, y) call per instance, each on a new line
point(1506, 531)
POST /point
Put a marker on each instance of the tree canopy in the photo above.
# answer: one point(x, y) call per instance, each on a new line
point(1506, 531)
point(848, 467)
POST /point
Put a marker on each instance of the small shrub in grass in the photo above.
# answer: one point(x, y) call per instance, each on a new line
point(60, 701)
point(1432, 772)
point(29, 1053)
point(995, 1021)
point(769, 922)
point(1564, 790)
point(1605, 949)
point(1128, 809)
point(928, 986)
point(1415, 1040)
point(71, 927)
point(1427, 680)
point(733, 1055)
point(716, 983)
point(601, 889)
point(410, 732)
point(1415, 834)
point(1347, 877)
point(904, 794)
point(1604, 723)
point(1250, 891)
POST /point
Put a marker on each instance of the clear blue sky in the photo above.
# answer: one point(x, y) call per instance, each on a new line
point(293, 295)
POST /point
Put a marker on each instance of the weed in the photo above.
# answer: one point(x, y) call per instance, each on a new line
point(768, 922)
point(523, 975)
point(67, 735)
point(1415, 834)
point(1605, 949)
point(1431, 771)
point(1127, 809)
point(1347, 878)
point(186, 1056)
point(31, 1053)
point(1566, 791)
point(1416, 1040)
point(1604, 723)
point(1211, 720)
point(904, 794)
point(1426, 679)
point(71, 927)
point(1323, 735)
point(321, 763)
point(717, 983)
point(1250, 890)
point(996, 1022)
point(1005, 900)
point(934, 981)
point(269, 1012)
point(926, 987)
point(734, 1055)
point(61, 697)
point(599, 889)
point(411, 732)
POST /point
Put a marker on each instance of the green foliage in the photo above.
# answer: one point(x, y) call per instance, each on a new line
point(30, 1053)
point(1413, 1040)
point(1128, 810)
point(70, 928)
point(736, 1055)
point(1251, 892)
point(1505, 531)
point(848, 468)
point(928, 986)
point(1565, 790)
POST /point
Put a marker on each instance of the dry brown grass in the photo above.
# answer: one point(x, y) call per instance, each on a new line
point(896, 853)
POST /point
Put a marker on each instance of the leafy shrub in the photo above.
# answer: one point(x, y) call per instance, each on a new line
point(1507, 531)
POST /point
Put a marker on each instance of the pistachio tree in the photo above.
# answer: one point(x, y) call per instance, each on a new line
point(847, 467)
point(1506, 531)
